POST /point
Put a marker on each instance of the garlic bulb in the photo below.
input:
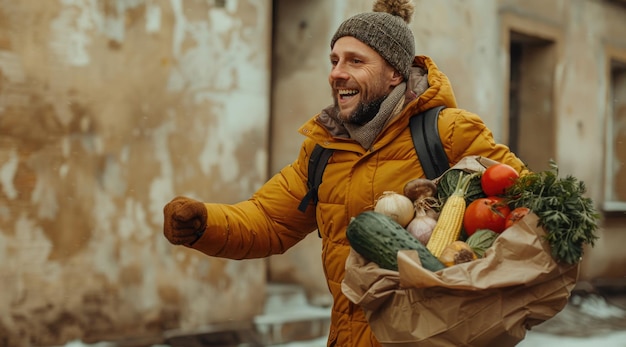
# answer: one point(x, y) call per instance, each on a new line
point(396, 206)
point(421, 227)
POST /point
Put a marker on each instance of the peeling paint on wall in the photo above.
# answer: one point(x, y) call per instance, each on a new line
point(216, 69)
point(71, 31)
point(7, 174)
point(107, 111)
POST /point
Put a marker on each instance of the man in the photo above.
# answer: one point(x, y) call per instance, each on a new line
point(377, 84)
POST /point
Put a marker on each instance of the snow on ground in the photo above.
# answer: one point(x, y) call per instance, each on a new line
point(537, 339)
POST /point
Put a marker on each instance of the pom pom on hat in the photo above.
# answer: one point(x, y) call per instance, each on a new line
point(401, 8)
point(386, 31)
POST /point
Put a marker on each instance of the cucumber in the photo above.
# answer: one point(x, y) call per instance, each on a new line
point(378, 238)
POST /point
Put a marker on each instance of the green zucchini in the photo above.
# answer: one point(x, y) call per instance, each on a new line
point(378, 238)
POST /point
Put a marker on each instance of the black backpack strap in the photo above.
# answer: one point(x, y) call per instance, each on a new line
point(427, 142)
point(317, 163)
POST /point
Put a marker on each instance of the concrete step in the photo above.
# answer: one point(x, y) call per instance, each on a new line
point(288, 317)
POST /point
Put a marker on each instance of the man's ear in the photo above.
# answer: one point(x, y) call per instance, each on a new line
point(396, 78)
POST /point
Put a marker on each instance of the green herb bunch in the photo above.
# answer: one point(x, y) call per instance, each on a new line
point(570, 218)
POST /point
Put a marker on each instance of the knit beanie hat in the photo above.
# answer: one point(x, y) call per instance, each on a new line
point(386, 30)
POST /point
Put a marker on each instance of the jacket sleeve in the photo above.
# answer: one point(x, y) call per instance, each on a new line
point(464, 134)
point(268, 223)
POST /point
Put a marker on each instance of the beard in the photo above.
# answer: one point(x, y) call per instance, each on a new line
point(365, 111)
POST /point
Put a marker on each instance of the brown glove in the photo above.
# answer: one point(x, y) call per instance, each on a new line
point(185, 220)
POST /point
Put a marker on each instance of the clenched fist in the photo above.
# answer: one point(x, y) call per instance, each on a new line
point(185, 220)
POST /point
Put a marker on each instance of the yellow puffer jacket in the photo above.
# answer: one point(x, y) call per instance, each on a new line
point(270, 222)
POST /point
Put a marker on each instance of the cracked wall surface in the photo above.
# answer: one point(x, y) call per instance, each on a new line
point(109, 109)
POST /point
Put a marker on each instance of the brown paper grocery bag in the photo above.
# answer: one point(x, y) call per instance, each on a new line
point(492, 301)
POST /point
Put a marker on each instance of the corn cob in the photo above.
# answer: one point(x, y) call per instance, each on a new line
point(450, 222)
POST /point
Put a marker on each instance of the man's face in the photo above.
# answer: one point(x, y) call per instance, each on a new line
point(360, 80)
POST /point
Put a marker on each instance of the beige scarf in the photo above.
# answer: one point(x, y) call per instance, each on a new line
point(366, 134)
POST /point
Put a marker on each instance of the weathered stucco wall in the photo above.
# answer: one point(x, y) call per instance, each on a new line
point(109, 109)
point(465, 40)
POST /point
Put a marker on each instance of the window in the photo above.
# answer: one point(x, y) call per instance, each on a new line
point(615, 157)
point(532, 124)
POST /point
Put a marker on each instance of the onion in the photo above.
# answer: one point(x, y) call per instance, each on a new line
point(396, 206)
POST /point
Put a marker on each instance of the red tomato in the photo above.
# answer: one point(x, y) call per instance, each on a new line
point(497, 178)
point(486, 213)
point(515, 215)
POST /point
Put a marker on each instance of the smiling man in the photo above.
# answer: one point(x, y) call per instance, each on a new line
point(377, 85)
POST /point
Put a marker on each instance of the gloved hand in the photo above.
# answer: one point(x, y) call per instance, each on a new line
point(185, 220)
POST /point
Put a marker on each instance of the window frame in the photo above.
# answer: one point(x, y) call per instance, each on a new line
point(609, 205)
